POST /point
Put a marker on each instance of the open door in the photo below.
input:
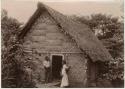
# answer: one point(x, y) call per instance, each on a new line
point(56, 66)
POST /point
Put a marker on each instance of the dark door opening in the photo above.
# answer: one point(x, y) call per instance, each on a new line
point(56, 66)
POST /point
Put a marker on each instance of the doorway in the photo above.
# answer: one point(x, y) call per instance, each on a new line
point(56, 66)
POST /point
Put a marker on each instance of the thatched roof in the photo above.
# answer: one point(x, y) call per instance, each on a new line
point(83, 36)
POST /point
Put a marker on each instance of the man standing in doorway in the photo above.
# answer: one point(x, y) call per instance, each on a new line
point(46, 64)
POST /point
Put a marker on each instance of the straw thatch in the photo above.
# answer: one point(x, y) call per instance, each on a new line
point(82, 35)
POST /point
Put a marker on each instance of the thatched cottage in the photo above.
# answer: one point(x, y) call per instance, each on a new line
point(49, 33)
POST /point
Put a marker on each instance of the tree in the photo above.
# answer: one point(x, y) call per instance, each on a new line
point(3, 14)
point(13, 57)
point(104, 26)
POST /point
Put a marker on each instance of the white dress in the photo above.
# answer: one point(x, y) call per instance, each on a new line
point(65, 81)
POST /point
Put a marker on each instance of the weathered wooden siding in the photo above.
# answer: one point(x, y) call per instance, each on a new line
point(46, 36)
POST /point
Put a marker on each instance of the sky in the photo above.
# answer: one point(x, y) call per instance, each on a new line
point(22, 10)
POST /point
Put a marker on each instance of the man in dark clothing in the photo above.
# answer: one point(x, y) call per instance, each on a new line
point(46, 64)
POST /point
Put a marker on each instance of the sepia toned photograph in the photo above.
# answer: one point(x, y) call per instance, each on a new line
point(62, 43)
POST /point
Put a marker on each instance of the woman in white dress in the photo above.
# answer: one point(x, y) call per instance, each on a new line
point(65, 81)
